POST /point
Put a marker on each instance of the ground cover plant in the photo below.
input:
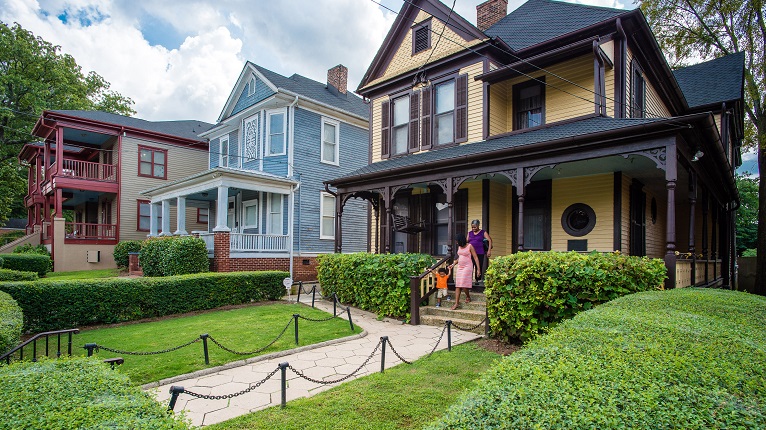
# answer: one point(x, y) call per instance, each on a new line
point(404, 397)
point(77, 393)
point(244, 329)
point(685, 358)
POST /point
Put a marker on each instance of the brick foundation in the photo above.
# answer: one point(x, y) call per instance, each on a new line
point(301, 272)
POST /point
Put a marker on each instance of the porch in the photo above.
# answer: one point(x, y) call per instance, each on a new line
point(246, 242)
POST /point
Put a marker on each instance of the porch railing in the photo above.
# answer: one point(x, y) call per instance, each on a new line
point(88, 170)
point(243, 242)
point(209, 239)
point(82, 230)
point(421, 287)
point(684, 272)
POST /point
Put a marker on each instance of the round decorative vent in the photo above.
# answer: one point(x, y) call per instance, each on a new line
point(578, 219)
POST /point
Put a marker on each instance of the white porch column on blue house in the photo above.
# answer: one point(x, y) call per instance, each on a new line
point(166, 218)
point(180, 216)
point(153, 216)
point(222, 209)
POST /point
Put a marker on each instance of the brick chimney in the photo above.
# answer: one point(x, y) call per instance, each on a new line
point(337, 77)
point(490, 12)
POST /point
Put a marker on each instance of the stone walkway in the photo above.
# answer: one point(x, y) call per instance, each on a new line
point(328, 361)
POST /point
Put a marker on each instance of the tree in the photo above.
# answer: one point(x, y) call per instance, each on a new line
point(747, 215)
point(688, 29)
point(35, 76)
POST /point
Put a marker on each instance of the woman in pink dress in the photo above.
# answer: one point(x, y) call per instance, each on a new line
point(464, 273)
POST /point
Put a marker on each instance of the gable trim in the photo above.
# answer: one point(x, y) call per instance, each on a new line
point(244, 78)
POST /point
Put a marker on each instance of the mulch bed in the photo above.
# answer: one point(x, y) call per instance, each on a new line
point(497, 346)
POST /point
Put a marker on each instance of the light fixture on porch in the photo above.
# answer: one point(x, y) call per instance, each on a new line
point(698, 155)
point(420, 81)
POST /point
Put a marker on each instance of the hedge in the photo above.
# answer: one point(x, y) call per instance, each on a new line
point(10, 323)
point(375, 282)
point(168, 256)
point(28, 262)
point(528, 292)
point(63, 304)
point(122, 249)
point(77, 393)
point(17, 275)
point(685, 358)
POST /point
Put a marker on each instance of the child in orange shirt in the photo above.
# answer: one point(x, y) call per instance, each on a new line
point(441, 284)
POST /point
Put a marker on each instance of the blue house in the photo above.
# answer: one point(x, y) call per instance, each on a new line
point(262, 196)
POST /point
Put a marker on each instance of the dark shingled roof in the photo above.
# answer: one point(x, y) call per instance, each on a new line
point(187, 129)
point(566, 130)
point(537, 21)
point(318, 91)
point(714, 81)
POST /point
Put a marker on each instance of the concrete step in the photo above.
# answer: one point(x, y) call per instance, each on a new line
point(439, 321)
point(462, 313)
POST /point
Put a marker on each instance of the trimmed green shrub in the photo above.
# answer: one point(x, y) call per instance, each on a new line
point(38, 263)
point(1, 262)
point(49, 304)
point(28, 248)
point(375, 282)
point(10, 323)
point(685, 358)
point(16, 275)
point(186, 254)
point(78, 393)
point(152, 255)
point(122, 249)
point(528, 292)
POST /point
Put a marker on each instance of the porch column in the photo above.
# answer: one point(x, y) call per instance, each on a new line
point(377, 226)
point(338, 223)
point(726, 241)
point(520, 222)
point(166, 218)
point(671, 177)
point(291, 230)
point(704, 233)
point(59, 203)
point(154, 213)
point(387, 236)
point(714, 244)
point(692, 219)
point(450, 197)
point(59, 150)
point(180, 217)
point(222, 209)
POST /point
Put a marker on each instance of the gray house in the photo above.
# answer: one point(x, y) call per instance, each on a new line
point(262, 197)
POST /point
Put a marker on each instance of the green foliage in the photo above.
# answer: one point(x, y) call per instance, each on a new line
point(77, 393)
point(375, 282)
point(28, 248)
point(122, 249)
point(152, 255)
point(38, 263)
point(17, 275)
point(752, 252)
point(685, 358)
point(186, 254)
point(1, 262)
point(10, 322)
point(53, 304)
point(747, 214)
point(528, 292)
point(11, 236)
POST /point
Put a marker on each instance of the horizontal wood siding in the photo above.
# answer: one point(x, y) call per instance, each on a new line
point(262, 91)
point(181, 162)
point(595, 191)
point(501, 218)
point(655, 107)
point(475, 102)
point(474, 202)
point(498, 108)
point(404, 61)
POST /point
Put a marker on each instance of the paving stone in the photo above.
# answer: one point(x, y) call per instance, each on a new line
point(213, 380)
point(223, 415)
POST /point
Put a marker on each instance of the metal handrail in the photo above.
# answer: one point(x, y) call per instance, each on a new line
point(415, 295)
point(33, 341)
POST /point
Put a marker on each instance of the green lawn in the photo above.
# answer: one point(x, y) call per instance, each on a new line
point(245, 329)
point(404, 397)
point(84, 274)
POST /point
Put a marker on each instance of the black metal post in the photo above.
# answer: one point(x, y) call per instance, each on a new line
point(90, 347)
point(313, 295)
point(58, 346)
point(295, 316)
point(283, 368)
point(204, 347)
point(384, 340)
point(449, 335)
point(300, 289)
point(47, 354)
point(34, 351)
point(69, 348)
point(175, 390)
point(348, 312)
point(334, 305)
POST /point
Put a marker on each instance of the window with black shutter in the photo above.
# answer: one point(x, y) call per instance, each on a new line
point(637, 92)
point(385, 137)
point(528, 104)
point(421, 37)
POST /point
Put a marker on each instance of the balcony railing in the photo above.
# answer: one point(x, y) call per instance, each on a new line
point(241, 242)
point(88, 170)
point(89, 231)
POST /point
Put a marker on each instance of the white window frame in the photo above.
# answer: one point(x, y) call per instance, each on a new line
point(322, 216)
point(269, 227)
point(322, 159)
point(221, 154)
point(243, 147)
point(246, 204)
point(282, 112)
point(251, 86)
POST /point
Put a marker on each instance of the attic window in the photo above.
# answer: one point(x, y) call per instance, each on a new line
point(251, 87)
point(421, 37)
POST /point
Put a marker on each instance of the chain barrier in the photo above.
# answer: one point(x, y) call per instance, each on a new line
point(317, 381)
point(118, 351)
point(232, 395)
point(437, 342)
point(470, 328)
point(317, 320)
point(396, 353)
point(257, 350)
point(303, 290)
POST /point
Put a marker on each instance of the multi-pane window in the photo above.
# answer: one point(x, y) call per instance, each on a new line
point(400, 129)
point(637, 92)
point(327, 222)
point(329, 149)
point(275, 214)
point(250, 214)
point(444, 112)
point(529, 100)
point(145, 216)
point(202, 215)
point(276, 133)
point(223, 151)
point(152, 162)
